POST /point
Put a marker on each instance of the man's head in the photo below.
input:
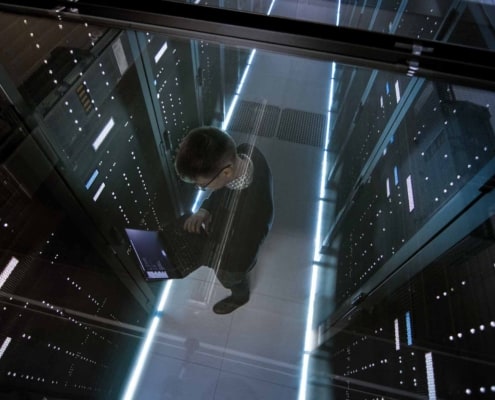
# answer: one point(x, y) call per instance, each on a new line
point(206, 157)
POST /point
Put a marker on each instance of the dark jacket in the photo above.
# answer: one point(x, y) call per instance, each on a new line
point(241, 219)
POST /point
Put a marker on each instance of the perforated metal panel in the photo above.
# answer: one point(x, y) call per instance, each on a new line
point(302, 127)
point(288, 124)
point(246, 114)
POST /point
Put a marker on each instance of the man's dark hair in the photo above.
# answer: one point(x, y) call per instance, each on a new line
point(203, 152)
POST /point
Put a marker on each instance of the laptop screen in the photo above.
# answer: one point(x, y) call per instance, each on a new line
point(151, 254)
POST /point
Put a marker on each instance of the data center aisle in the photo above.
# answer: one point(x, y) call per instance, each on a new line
point(255, 352)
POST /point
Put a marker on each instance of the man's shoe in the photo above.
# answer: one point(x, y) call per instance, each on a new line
point(228, 305)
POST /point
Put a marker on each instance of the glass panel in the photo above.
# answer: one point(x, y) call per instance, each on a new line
point(383, 191)
point(469, 22)
point(413, 131)
point(429, 338)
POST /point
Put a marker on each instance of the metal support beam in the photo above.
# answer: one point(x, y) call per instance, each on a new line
point(430, 59)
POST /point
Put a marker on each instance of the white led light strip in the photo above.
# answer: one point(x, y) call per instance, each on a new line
point(4, 346)
point(143, 352)
point(8, 270)
point(410, 195)
point(397, 334)
point(161, 52)
point(103, 134)
point(430, 377)
point(99, 191)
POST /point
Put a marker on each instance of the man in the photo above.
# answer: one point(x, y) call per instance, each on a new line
point(239, 211)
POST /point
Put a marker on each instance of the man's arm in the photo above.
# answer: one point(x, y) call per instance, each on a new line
point(198, 222)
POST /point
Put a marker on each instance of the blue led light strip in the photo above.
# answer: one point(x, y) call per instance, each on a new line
point(408, 329)
point(91, 180)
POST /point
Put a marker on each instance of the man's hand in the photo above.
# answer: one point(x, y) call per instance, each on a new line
point(198, 222)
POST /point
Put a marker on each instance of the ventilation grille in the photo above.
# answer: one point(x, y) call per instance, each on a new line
point(302, 127)
point(85, 98)
point(291, 125)
point(246, 114)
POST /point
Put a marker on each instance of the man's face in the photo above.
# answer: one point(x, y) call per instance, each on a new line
point(218, 181)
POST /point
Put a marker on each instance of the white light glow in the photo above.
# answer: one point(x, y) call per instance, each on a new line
point(143, 352)
point(230, 111)
point(410, 195)
point(324, 167)
point(103, 134)
point(99, 191)
point(309, 338)
point(9, 268)
point(164, 296)
point(161, 52)
point(397, 335)
point(4, 346)
point(304, 377)
point(143, 355)
point(397, 91)
point(238, 91)
point(271, 7)
point(430, 376)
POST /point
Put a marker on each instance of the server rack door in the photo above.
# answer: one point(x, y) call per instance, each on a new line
point(79, 163)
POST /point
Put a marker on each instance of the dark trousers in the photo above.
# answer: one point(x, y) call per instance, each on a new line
point(239, 257)
point(237, 282)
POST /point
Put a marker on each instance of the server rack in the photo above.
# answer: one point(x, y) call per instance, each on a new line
point(86, 152)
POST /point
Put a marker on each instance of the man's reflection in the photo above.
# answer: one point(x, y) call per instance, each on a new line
point(239, 211)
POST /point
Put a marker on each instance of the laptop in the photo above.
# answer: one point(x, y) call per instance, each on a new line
point(171, 253)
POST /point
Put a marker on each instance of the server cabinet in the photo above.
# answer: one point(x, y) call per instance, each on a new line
point(81, 160)
point(429, 336)
point(411, 245)
point(63, 307)
point(424, 162)
point(93, 117)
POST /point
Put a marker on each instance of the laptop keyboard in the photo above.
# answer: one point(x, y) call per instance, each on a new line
point(188, 248)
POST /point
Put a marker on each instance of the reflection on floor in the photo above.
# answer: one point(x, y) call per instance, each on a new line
point(255, 352)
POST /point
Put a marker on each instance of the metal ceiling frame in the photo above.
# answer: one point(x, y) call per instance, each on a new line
point(422, 58)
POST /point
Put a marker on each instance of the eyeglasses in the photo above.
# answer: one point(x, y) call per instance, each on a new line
point(205, 186)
